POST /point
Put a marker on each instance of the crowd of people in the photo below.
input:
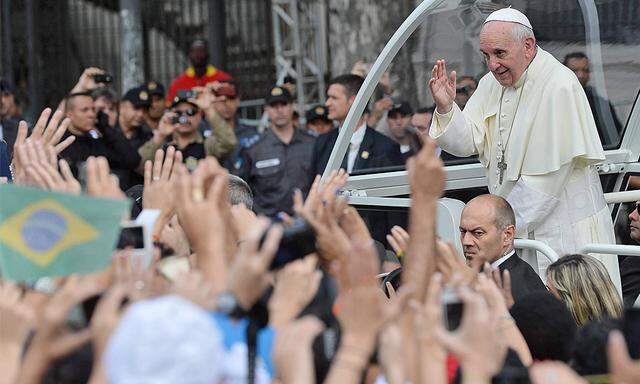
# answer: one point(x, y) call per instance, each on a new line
point(262, 272)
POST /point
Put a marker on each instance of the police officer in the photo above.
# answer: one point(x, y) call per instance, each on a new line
point(158, 104)
point(280, 161)
point(318, 120)
point(179, 128)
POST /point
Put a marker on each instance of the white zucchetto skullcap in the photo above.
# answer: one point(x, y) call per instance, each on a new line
point(510, 15)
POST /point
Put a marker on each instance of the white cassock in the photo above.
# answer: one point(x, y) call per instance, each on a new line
point(551, 144)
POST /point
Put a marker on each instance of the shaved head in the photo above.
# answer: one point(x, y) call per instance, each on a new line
point(502, 212)
point(487, 229)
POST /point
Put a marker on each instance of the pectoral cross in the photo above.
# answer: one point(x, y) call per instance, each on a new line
point(502, 166)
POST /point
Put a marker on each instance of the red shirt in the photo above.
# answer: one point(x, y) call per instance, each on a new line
point(189, 80)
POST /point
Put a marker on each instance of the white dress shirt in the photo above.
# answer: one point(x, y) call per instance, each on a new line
point(354, 146)
point(501, 260)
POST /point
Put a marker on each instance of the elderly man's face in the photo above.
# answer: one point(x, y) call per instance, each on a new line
point(506, 57)
point(634, 223)
point(482, 241)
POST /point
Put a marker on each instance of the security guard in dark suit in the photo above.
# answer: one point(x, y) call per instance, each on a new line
point(280, 161)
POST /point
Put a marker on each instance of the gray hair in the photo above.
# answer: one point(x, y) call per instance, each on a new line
point(521, 32)
point(240, 192)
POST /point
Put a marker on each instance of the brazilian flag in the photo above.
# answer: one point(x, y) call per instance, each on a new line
point(44, 234)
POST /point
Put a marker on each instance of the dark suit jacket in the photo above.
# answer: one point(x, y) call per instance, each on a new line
point(9, 133)
point(378, 150)
point(524, 279)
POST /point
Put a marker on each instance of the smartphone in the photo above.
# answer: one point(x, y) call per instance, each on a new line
point(298, 240)
point(631, 331)
point(136, 237)
point(104, 78)
point(131, 236)
point(452, 308)
point(187, 94)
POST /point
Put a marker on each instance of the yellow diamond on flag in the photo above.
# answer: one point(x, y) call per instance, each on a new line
point(41, 231)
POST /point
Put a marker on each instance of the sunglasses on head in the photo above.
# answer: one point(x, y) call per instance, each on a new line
point(188, 112)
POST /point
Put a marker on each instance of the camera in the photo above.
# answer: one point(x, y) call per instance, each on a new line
point(104, 78)
point(182, 119)
point(298, 240)
point(185, 94)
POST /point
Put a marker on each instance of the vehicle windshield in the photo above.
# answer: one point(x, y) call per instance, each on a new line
point(599, 40)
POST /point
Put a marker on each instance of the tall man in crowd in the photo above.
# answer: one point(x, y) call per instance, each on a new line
point(487, 231)
point(279, 163)
point(179, 128)
point(200, 73)
point(609, 127)
point(95, 137)
point(532, 128)
point(157, 106)
point(368, 148)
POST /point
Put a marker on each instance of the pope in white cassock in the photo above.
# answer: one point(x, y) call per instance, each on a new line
point(531, 126)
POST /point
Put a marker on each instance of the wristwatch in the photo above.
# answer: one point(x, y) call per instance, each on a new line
point(227, 303)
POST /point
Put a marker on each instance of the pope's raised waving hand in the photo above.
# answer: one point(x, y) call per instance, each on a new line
point(443, 87)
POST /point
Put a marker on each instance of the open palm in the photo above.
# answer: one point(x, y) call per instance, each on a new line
point(442, 86)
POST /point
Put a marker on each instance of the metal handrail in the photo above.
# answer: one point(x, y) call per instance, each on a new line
point(612, 249)
point(622, 197)
point(539, 246)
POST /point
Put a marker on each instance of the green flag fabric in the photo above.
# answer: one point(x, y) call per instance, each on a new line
point(46, 234)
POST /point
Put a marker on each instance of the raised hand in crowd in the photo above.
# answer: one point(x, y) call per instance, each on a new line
point(86, 82)
point(363, 311)
point(481, 354)
point(46, 133)
point(53, 339)
point(100, 181)
point(425, 193)
point(159, 177)
point(622, 368)
point(399, 240)
point(295, 286)
point(292, 353)
point(497, 302)
point(16, 322)
point(195, 288)
point(503, 282)
point(104, 321)
point(249, 272)
point(200, 198)
point(41, 165)
point(449, 264)
point(432, 366)
point(165, 129)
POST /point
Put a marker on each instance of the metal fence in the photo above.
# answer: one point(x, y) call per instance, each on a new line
point(45, 44)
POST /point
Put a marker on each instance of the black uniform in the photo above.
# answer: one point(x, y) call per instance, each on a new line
point(274, 170)
point(111, 144)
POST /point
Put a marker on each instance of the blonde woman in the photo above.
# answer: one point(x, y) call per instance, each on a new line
point(584, 285)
